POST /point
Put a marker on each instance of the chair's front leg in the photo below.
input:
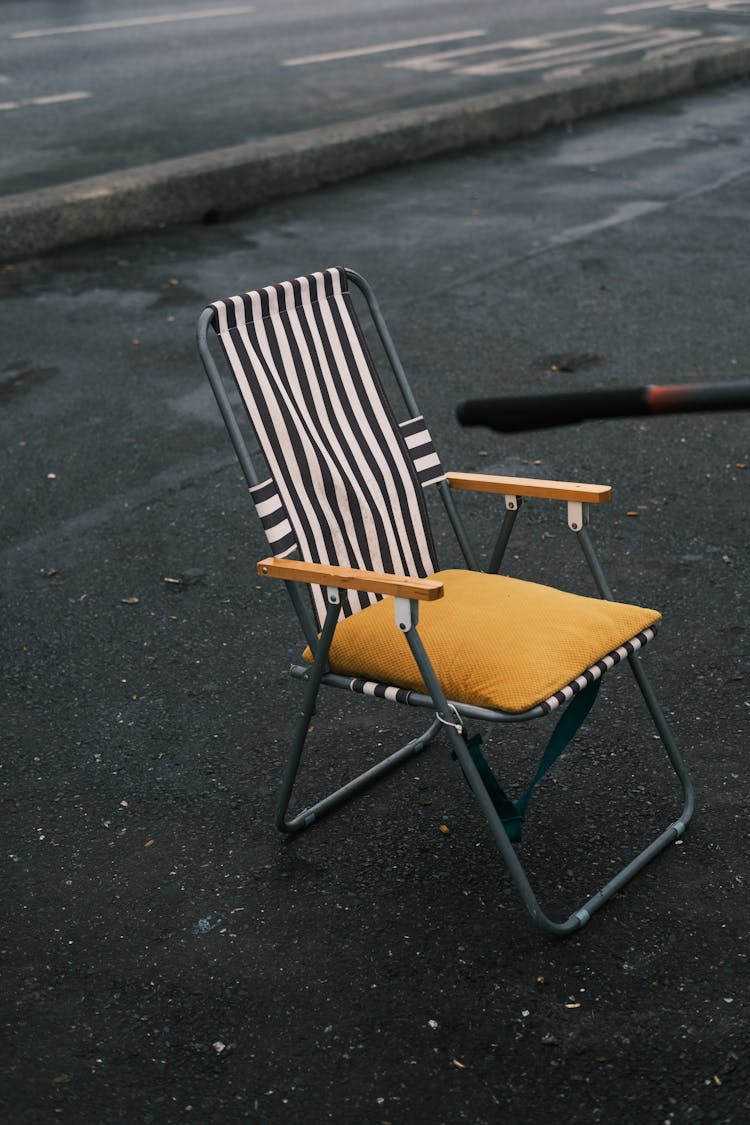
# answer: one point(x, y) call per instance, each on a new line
point(407, 617)
point(312, 686)
point(313, 813)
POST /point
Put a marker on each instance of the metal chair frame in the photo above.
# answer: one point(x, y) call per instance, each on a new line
point(449, 715)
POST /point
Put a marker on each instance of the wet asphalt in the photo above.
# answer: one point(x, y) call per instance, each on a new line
point(167, 955)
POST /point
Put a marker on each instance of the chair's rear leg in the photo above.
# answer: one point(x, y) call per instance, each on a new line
point(512, 508)
point(582, 915)
point(674, 830)
point(668, 741)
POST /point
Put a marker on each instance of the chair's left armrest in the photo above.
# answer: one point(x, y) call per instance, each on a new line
point(531, 486)
point(347, 578)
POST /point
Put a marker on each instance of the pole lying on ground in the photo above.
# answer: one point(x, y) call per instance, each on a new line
point(534, 412)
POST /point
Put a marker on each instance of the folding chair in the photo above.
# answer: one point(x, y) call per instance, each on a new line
point(342, 489)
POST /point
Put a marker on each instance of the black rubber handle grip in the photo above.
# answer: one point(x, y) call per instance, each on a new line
point(534, 412)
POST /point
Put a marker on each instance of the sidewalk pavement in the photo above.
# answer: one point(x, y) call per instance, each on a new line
point(167, 956)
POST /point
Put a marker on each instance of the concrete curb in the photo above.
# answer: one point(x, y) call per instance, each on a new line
point(229, 181)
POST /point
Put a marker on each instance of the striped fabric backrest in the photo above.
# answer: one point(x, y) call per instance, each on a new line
point(346, 479)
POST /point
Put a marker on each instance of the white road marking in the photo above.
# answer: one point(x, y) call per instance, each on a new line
point(53, 99)
point(47, 99)
point(645, 6)
point(582, 52)
point(136, 21)
point(731, 7)
point(741, 6)
point(381, 48)
point(673, 48)
point(443, 60)
point(627, 212)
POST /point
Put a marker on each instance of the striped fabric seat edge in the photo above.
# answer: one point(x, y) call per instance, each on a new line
point(552, 703)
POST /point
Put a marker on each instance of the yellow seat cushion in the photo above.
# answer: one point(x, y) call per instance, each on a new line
point(493, 641)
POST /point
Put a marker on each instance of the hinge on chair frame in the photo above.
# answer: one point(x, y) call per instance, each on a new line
point(407, 613)
point(457, 726)
point(578, 515)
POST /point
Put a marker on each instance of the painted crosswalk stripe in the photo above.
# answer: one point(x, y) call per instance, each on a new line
point(581, 53)
point(584, 52)
point(444, 60)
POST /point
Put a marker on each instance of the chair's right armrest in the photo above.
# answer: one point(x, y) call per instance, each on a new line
point(531, 486)
point(347, 578)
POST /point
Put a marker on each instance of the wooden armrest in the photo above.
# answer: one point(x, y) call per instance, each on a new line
point(530, 486)
point(345, 578)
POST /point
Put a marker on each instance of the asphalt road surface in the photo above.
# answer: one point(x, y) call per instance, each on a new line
point(91, 87)
point(167, 957)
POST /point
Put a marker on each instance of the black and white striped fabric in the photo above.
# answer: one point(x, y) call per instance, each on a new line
point(596, 671)
point(346, 480)
point(422, 451)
